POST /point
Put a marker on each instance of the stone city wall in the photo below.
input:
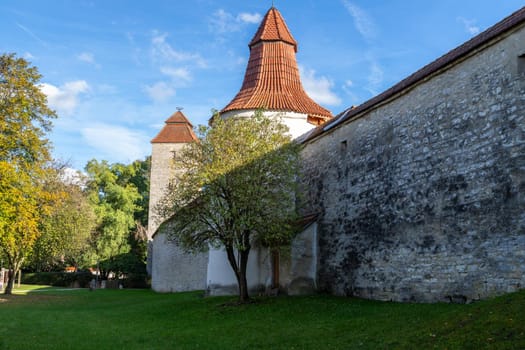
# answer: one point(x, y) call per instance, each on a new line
point(171, 269)
point(174, 270)
point(423, 198)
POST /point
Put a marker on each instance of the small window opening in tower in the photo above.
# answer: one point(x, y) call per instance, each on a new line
point(343, 145)
point(521, 64)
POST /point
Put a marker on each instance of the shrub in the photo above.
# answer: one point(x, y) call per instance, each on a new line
point(59, 279)
point(135, 280)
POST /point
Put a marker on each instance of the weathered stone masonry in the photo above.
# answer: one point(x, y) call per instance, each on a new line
point(170, 267)
point(422, 197)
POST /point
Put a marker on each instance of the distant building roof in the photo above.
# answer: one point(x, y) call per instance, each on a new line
point(178, 129)
point(484, 38)
point(272, 78)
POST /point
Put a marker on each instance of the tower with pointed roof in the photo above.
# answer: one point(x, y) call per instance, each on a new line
point(176, 132)
point(442, 233)
point(272, 82)
point(164, 254)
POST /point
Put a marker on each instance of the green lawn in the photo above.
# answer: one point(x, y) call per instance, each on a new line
point(51, 318)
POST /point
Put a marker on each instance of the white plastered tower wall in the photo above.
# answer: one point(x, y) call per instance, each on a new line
point(277, 90)
point(297, 123)
point(293, 271)
point(272, 84)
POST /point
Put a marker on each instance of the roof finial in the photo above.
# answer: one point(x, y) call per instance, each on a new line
point(179, 108)
point(272, 4)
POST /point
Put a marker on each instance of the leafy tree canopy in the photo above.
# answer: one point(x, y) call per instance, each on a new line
point(24, 155)
point(65, 230)
point(25, 116)
point(237, 188)
point(113, 192)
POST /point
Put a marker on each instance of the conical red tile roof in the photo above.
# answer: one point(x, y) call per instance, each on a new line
point(178, 129)
point(272, 78)
point(273, 28)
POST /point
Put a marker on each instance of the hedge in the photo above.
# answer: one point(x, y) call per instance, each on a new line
point(58, 279)
point(69, 279)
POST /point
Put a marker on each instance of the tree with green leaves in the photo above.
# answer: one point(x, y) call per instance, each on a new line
point(140, 179)
point(237, 189)
point(19, 217)
point(24, 155)
point(114, 200)
point(65, 230)
point(25, 116)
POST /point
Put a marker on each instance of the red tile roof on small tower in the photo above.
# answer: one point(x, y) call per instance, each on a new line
point(178, 129)
point(272, 78)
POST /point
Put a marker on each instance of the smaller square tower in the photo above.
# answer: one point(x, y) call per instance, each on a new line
point(177, 132)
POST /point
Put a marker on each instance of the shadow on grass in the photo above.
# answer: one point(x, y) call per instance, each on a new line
point(34, 288)
point(28, 293)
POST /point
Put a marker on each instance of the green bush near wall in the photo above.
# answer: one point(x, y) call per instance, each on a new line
point(136, 280)
point(59, 279)
point(80, 279)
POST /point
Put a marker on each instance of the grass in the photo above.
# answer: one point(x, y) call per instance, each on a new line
point(39, 317)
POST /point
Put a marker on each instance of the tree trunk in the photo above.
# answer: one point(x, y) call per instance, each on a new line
point(240, 271)
point(14, 266)
point(243, 282)
point(10, 281)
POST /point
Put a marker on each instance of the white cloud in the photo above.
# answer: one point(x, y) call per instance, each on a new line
point(76, 86)
point(351, 96)
point(116, 142)
point(469, 25)
point(253, 18)
point(130, 37)
point(162, 51)
point(73, 177)
point(375, 78)
point(362, 21)
point(319, 88)
point(31, 34)
point(176, 73)
point(64, 99)
point(86, 57)
point(224, 22)
point(166, 56)
point(106, 89)
point(28, 56)
point(160, 91)
point(240, 61)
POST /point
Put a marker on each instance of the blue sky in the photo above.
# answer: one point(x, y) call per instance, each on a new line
point(115, 70)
